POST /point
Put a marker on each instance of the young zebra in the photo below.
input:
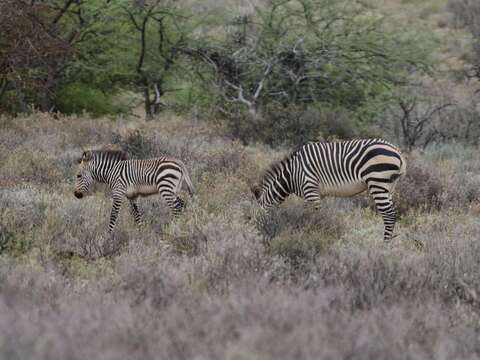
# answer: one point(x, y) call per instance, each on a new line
point(343, 168)
point(132, 178)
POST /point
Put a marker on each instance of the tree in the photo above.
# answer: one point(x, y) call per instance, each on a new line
point(162, 29)
point(307, 53)
point(31, 51)
point(466, 14)
point(40, 43)
point(417, 114)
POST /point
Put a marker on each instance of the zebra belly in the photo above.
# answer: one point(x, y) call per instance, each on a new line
point(344, 190)
point(141, 190)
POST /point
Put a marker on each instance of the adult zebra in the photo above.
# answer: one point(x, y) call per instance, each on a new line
point(132, 178)
point(341, 168)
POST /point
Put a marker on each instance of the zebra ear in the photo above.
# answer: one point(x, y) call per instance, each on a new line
point(256, 191)
point(86, 156)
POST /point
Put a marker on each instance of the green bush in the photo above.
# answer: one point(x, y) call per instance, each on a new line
point(77, 98)
point(292, 125)
point(11, 244)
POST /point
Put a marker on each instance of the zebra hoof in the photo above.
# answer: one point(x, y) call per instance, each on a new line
point(389, 240)
point(418, 244)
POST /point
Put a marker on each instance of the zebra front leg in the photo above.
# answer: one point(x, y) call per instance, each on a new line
point(313, 195)
point(384, 205)
point(135, 211)
point(116, 205)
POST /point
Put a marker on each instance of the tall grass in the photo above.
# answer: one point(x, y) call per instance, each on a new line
point(222, 281)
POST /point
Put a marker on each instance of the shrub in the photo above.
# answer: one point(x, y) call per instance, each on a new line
point(289, 126)
point(461, 190)
point(12, 244)
point(298, 232)
point(135, 144)
point(292, 125)
point(227, 159)
point(421, 188)
point(77, 98)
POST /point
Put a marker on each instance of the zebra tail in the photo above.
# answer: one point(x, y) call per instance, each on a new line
point(403, 166)
point(186, 179)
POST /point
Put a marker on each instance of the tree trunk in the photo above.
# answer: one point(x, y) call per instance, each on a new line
point(146, 95)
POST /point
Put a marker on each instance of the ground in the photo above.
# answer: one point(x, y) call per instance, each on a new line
point(224, 281)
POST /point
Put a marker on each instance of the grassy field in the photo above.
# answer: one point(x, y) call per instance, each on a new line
point(225, 281)
point(222, 281)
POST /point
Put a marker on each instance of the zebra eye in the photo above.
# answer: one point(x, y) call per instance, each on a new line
point(79, 176)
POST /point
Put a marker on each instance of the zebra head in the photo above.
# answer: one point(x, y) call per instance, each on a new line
point(84, 177)
point(275, 186)
point(257, 193)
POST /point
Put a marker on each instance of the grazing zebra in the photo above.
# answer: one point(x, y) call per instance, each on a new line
point(132, 178)
point(342, 168)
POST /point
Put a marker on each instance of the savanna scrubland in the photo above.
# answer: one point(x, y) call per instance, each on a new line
point(225, 281)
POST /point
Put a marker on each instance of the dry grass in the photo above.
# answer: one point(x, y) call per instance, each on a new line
point(222, 282)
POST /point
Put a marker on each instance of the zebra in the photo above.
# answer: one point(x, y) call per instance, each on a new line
point(341, 168)
point(131, 179)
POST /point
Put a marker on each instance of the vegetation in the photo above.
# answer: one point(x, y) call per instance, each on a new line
point(224, 280)
point(228, 88)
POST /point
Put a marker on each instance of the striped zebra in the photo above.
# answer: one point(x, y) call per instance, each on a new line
point(341, 168)
point(131, 179)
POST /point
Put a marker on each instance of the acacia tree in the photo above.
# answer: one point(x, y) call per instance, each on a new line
point(31, 51)
point(304, 52)
point(40, 43)
point(162, 29)
point(418, 115)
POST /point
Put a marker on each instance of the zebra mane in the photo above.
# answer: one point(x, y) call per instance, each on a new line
point(108, 154)
point(112, 154)
point(276, 165)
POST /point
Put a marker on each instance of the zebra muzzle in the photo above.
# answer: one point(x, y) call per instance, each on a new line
point(78, 194)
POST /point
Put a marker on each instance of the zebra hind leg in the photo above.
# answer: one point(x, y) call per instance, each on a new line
point(176, 203)
point(178, 206)
point(384, 205)
point(137, 214)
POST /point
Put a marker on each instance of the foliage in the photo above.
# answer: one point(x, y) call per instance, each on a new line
point(87, 47)
point(292, 125)
point(211, 284)
point(466, 14)
point(32, 52)
point(77, 97)
point(307, 54)
point(135, 144)
point(420, 188)
point(162, 29)
point(299, 233)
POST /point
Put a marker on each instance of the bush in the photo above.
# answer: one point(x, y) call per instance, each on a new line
point(211, 277)
point(221, 160)
point(134, 143)
point(77, 98)
point(421, 188)
point(291, 125)
point(298, 232)
point(11, 244)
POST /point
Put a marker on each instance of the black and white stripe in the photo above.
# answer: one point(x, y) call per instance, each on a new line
point(133, 178)
point(342, 168)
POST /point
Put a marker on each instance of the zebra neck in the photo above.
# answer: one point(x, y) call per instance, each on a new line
point(102, 174)
point(278, 190)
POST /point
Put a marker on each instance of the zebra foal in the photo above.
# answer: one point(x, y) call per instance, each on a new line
point(341, 168)
point(131, 179)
